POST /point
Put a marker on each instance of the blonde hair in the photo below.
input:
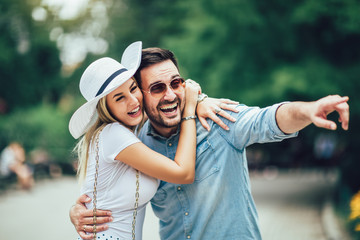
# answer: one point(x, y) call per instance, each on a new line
point(82, 147)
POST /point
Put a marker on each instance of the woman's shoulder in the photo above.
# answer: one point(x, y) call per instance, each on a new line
point(116, 127)
point(117, 131)
point(114, 138)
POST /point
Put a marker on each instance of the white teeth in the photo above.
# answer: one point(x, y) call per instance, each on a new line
point(169, 106)
point(135, 110)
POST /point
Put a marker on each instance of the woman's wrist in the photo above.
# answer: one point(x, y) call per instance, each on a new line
point(189, 111)
point(201, 97)
point(188, 118)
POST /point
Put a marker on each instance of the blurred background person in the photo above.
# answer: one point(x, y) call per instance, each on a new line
point(12, 161)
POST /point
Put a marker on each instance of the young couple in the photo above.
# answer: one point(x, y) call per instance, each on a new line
point(205, 190)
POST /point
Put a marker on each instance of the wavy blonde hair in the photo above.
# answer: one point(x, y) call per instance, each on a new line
point(82, 147)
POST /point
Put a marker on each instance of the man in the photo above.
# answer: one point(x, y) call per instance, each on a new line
point(219, 204)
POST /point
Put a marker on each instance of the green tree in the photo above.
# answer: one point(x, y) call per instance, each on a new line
point(29, 61)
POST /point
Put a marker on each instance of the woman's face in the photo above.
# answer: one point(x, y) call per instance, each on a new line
point(125, 103)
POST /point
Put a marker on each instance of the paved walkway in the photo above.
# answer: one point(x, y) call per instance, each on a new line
point(289, 206)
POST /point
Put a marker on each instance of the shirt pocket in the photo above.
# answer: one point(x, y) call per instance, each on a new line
point(206, 161)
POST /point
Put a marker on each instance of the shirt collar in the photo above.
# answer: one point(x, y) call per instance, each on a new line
point(150, 131)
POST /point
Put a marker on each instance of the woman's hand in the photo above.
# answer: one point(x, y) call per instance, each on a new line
point(211, 107)
point(192, 90)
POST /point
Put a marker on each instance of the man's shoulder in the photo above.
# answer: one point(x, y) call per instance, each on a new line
point(215, 132)
point(214, 127)
point(142, 131)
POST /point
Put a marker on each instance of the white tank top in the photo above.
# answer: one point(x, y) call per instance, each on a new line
point(116, 186)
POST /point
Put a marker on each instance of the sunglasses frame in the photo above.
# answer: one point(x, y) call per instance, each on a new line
point(159, 95)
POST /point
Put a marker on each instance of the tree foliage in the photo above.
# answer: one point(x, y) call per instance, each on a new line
point(29, 61)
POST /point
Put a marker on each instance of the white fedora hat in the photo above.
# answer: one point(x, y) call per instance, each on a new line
point(99, 79)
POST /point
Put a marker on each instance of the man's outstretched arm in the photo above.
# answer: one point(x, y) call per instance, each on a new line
point(82, 218)
point(294, 116)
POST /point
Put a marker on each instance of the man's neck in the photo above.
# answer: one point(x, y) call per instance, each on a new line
point(164, 131)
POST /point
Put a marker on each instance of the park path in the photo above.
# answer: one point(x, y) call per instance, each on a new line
point(289, 206)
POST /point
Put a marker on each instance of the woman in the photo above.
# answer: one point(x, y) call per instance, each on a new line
point(116, 180)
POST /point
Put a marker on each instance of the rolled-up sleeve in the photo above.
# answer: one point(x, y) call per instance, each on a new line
point(254, 125)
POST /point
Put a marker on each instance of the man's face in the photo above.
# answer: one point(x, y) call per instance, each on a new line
point(164, 111)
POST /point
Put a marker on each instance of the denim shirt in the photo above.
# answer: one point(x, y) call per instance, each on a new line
point(219, 204)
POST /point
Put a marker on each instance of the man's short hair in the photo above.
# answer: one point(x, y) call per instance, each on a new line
point(151, 56)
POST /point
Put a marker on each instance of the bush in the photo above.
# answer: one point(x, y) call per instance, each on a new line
point(43, 126)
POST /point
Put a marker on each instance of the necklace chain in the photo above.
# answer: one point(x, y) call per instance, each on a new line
point(95, 185)
point(136, 205)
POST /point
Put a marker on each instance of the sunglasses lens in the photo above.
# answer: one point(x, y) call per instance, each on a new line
point(176, 83)
point(158, 88)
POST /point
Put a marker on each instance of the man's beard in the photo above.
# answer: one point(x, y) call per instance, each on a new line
point(156, 118)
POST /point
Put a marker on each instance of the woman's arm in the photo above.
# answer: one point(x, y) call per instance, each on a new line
point(182, 169)
point(211, 107)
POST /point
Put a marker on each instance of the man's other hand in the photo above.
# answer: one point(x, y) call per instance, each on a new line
point(82, 218)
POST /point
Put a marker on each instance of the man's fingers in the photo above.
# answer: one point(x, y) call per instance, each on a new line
point(99, 220)
point(324, 123)
point(339, 104)
point(83, 199)
point(99, 213)
point(103, 213)
point(344, 119)
point(99, 228)
point(343, 110)
point(341, 101)
point(88, 233)
point(345, 125)
point(84, 236)
point(335, 100)
point(330, 104)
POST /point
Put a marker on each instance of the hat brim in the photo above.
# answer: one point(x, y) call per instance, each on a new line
point(86, 115)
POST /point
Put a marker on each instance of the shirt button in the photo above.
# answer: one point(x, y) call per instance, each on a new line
point(178, 188)
point(170, 144)
point(188, 236)
point(186, 213)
